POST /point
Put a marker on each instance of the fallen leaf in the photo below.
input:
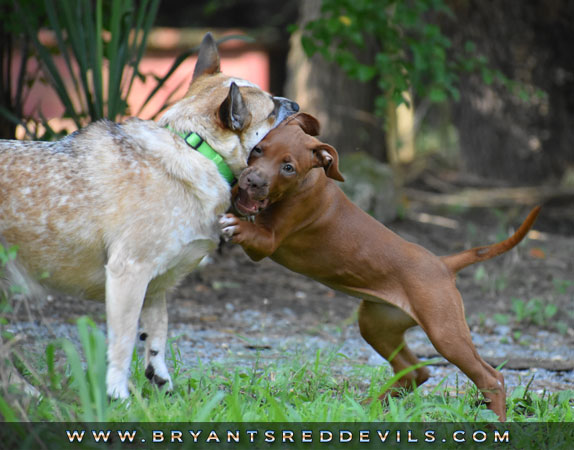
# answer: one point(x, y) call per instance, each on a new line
point(537, 253)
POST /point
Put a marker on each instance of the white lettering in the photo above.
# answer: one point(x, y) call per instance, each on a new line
point(345, 436)
point(270, 436)
point(176, 436)
point(195, 435)
point(252, 434)
point(288, 436)
point(430, 436)
point(101, 435)
point(456, 438)
point(504, 438)
point(325, 436)
point(234, 436)
point(476, 434)
point(383, 437)
point(212, 437)
point(157, 436)
point(127, 436)
point(74, 435)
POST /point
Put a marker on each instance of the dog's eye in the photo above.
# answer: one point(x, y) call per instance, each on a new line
point(288, 169)
point(256, 151)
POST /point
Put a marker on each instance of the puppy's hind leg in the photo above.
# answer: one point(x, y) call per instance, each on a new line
point(154, 321)
point(126, 284)
point(383, 326)
point(448, 331)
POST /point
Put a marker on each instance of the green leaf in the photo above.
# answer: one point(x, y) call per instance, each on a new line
point(550, 311)
point(437, 95)
point(308, 45)
point(365, 73)
point(501, 319)
point(480, 273)
point(469, 47)
point(487, 76)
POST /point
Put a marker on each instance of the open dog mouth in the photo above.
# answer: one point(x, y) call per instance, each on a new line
point(247, 206)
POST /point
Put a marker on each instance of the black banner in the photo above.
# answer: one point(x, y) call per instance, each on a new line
point(273, 435)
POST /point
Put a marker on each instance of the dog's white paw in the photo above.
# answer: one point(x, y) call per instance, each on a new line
point(227, 220)
point(158, 374)
point(228, 232)
point(229, 225)
point(117, 384)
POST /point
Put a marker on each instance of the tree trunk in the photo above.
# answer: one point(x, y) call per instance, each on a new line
point(503, 137)
point(343, 106)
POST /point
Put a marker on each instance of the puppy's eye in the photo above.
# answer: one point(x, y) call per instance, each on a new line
point(256, 151)
point(288, 169)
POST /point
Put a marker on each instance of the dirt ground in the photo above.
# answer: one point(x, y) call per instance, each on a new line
point(233, 307)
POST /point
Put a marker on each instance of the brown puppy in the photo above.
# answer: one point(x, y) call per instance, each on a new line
point(307, 224)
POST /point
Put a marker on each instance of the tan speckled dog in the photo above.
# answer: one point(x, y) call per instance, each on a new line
point(122, 212)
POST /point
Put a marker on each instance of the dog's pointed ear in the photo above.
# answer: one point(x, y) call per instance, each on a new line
point(233, 112)
point(207, 59)
point(327, 157)
point(308, 123)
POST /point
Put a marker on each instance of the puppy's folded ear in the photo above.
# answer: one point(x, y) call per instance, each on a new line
point(307, 122)
point(233, 112)
point(207, 59)
point(327, 157)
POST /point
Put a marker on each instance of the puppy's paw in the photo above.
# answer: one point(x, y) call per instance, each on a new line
point(229, 225)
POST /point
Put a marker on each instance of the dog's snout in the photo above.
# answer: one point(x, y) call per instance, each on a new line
point(255, 181)
point(284, 108)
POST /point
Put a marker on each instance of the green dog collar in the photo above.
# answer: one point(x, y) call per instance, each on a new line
point(196, 142)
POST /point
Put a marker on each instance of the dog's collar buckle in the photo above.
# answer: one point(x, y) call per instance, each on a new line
point(196, 142)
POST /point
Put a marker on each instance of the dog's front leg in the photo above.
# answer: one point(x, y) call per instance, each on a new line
point(257, 241)
point(154, 321)
point(126, 284)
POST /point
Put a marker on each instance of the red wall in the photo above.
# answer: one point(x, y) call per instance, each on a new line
point(237, 59)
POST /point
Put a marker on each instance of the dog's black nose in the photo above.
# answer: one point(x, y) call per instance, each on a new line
point(284, 108)
point(255, 181)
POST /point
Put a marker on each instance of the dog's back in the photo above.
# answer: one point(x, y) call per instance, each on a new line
point(65, 203)
point(45, 199)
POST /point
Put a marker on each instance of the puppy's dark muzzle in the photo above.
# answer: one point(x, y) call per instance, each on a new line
point(254, 183)
point(250, 197)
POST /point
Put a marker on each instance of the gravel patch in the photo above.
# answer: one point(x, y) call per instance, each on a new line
point(267, 338)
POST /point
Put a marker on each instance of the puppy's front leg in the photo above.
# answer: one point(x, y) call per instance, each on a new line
point(154, 321)
point(257, 241)
point(126, 284)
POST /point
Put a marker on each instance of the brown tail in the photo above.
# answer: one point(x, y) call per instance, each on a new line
point(461, 260)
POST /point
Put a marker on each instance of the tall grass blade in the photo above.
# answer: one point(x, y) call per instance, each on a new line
point(98, 65)
point(6, 411)
point(48, 63)
point(148, 14)
point(389, 383)
point(90, 383)
point(76, 16)
point(115, 57)
point(206, 412)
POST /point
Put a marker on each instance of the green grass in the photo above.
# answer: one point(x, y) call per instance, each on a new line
point(290, 389)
